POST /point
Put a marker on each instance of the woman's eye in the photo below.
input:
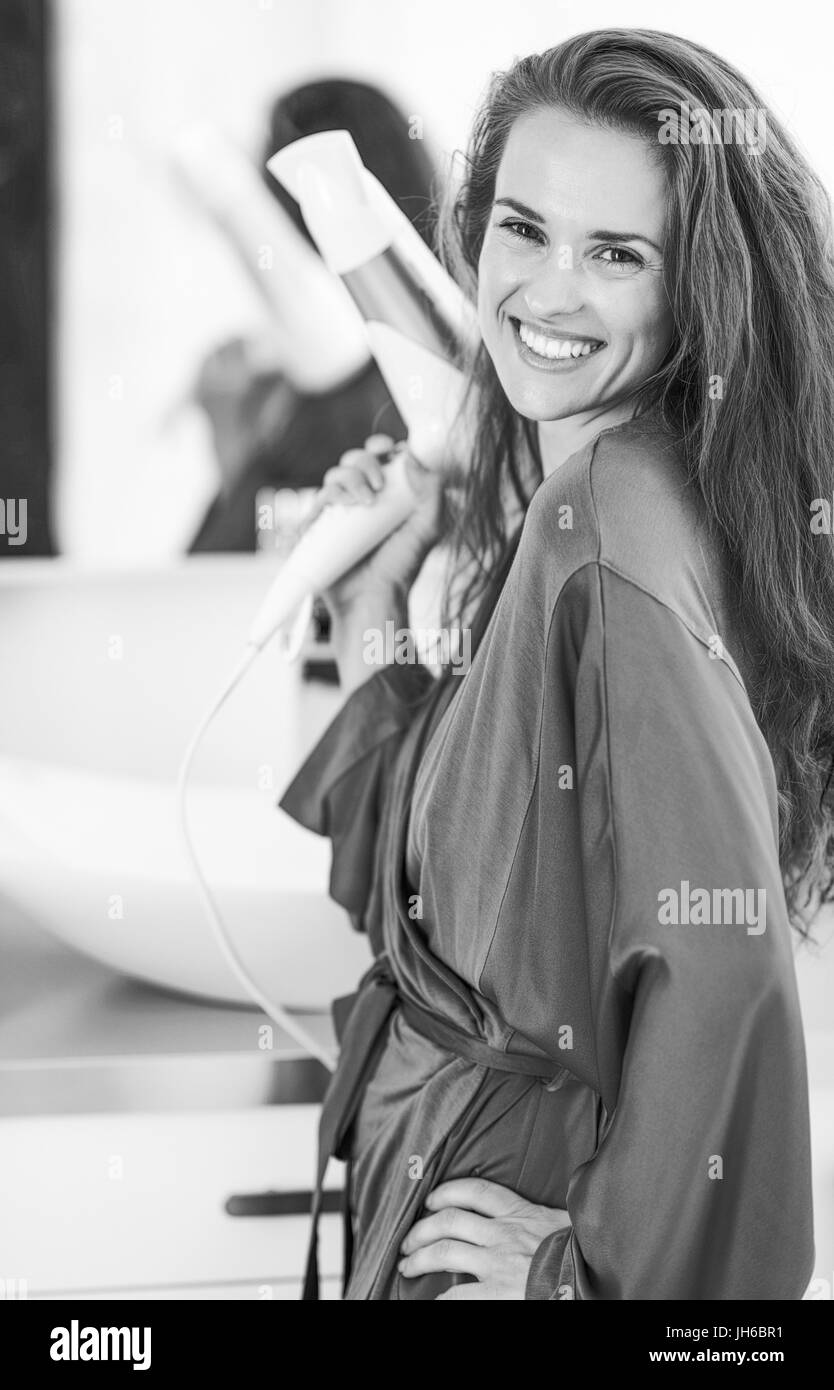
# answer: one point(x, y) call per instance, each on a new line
point(619, 258)
point(525, 231)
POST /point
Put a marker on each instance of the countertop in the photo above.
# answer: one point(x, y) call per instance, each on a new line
point(76, 1036)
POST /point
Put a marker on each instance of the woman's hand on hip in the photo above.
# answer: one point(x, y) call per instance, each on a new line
point(481, 1228)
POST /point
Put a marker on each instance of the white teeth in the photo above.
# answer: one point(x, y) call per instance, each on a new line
point(553, 347)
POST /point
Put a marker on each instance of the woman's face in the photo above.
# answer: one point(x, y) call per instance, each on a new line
point(571, 297)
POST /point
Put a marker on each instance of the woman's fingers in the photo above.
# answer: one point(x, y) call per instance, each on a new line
point(476, 1194)
point(452, 1222)
point(479, 1227)
point(483, 1290)
point(346, 482)
point(361, 466)
point(447, 1256)
point(357, 478)
point(359, 474)
point(379, 443)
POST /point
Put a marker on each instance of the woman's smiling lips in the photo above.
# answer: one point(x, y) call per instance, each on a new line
point(550, 351)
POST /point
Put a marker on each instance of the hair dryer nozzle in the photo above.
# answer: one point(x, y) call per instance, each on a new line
point(328, 180)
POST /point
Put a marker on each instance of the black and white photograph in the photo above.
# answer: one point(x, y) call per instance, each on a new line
point(417, 699)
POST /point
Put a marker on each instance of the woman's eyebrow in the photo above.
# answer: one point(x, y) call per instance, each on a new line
point(534, 216)
point(625, 236)
point(519, 207)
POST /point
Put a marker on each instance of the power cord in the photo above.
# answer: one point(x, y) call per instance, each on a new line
point(274, 1011)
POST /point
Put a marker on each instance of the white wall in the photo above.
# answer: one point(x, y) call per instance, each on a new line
point(145, 289)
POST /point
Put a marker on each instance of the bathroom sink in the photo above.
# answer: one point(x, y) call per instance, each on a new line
point(106, 675)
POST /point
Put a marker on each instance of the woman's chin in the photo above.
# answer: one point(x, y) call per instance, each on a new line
point(545, 403)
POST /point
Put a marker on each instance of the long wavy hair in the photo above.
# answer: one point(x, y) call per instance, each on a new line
point(751, 281)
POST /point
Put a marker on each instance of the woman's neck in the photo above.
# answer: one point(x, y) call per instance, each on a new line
point(558, 439)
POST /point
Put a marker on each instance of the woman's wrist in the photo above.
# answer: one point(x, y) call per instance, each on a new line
point(359, 627)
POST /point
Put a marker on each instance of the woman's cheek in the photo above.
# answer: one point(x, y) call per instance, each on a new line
point(657, 314)
point(494, 289)
point(644, 318)
point(498, 271)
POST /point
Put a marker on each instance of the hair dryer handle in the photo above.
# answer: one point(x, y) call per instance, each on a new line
point(337, 539)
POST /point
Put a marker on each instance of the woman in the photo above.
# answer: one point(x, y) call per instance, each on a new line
point(577, 1069)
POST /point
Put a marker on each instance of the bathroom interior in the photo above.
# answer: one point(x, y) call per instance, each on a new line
point(157, 1127)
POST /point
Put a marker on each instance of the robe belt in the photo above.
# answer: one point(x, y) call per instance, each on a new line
point(360, 1020)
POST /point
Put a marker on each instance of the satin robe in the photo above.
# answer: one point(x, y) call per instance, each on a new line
point(570, 852)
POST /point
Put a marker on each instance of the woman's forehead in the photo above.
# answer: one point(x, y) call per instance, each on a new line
point(566, 169)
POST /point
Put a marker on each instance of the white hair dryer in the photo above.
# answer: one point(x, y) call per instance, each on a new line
point(419, 327)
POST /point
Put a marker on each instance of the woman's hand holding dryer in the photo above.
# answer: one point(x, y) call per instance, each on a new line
point(375, 591)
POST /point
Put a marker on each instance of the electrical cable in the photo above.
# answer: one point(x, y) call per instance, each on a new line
point(279, 1015)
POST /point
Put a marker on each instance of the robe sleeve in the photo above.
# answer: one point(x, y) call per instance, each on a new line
point(700, 1185)
point(339, 790)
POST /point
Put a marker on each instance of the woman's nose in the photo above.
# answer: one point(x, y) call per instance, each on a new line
point(556, 289)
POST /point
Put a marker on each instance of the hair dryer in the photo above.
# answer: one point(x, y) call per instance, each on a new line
point(419, 326)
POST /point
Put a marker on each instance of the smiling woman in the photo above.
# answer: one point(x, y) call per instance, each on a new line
point(608, 301)
point(551, 1087)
